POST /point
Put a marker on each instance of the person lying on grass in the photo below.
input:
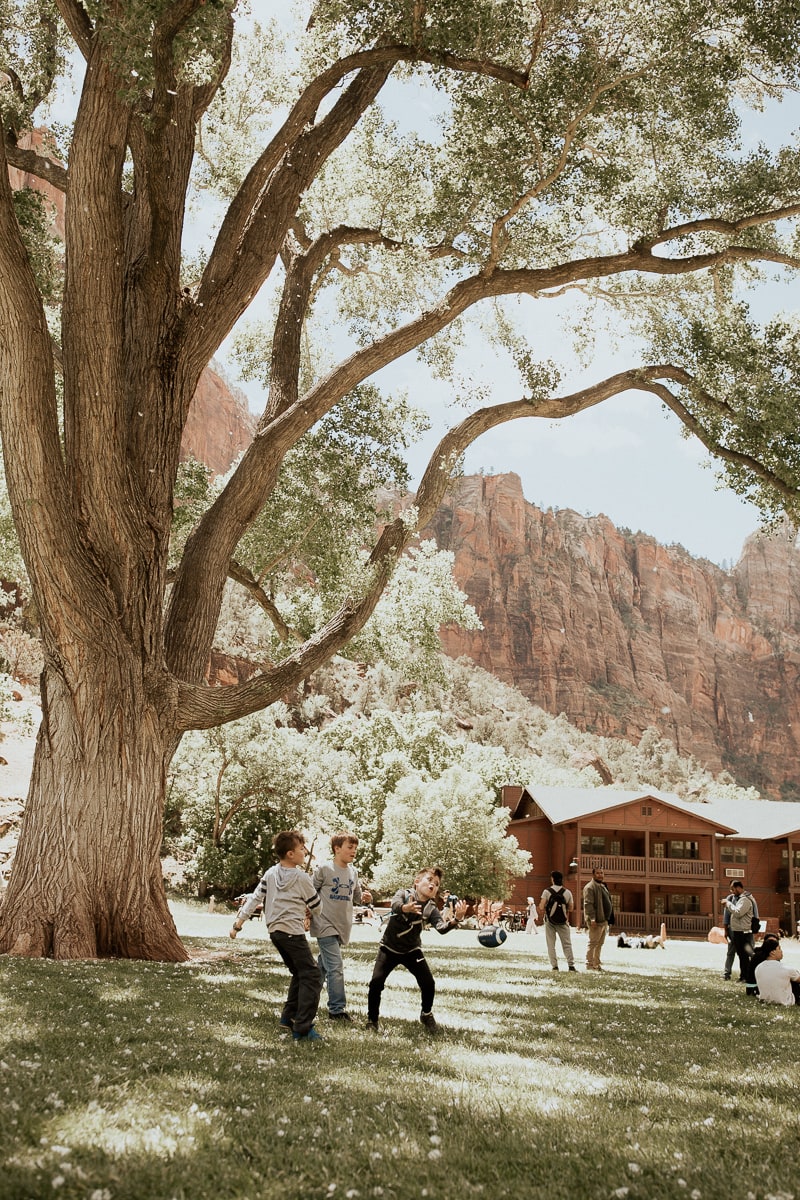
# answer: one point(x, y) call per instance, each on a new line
point(401, 944)
point(651, 942)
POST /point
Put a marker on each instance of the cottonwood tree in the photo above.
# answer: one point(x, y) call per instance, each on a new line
point(582, 145)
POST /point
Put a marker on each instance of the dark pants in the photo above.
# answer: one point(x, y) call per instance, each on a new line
point(303, 998)
point(385, 963)
point(745, 949)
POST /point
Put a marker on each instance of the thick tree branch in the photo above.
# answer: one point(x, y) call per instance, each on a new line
point(258, 218)
point(718, 225)
point(242, 260)
point(36, 164)
point(77, 22)
point(738, 458)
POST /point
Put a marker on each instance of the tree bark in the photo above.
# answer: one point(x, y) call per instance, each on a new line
point(87, 880)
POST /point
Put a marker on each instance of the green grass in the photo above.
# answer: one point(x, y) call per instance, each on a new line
point(126, 1080)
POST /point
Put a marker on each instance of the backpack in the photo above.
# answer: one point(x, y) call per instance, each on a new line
point(555, 909)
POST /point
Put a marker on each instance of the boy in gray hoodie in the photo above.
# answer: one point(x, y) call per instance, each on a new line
point(286, 892)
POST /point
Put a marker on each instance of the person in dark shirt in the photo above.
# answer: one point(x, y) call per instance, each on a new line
point(401, 944)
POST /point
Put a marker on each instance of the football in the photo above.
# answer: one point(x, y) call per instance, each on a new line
point(492, 935)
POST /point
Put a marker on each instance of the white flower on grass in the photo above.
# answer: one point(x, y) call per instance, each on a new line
point(709, 1121)
point(100, 1194)
point(435, 1140)
point(695, 1193)
point(621, 1193)
point(433, 1154)
point(351, 1193)
point(681, 1182)
point(634, 1168)
point(57, 1181)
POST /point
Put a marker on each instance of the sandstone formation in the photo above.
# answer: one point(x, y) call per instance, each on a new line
point(219, 426)
point(621, 633)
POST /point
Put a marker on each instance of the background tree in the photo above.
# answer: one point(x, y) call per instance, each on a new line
point(453, 822)
point(581, 146)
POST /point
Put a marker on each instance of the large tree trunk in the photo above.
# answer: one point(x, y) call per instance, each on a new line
point(87, 878)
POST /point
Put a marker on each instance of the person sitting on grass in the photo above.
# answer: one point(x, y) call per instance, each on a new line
point(286, 892)
point(777, 983)
point(651, 942)
point(331, 924)
point(401, 944)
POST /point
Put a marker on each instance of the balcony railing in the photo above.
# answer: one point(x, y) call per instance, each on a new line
point(662, 868)
point(688, 923)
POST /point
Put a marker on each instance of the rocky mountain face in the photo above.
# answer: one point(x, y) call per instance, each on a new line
point(219, 426)
point(621, 633)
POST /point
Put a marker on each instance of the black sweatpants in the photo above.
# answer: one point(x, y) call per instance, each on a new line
point(304, 990)
point(415, 962)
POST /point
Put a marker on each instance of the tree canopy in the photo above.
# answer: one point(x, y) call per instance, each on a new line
point(569, 145)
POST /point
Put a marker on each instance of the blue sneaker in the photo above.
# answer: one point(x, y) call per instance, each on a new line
point(311, 1036)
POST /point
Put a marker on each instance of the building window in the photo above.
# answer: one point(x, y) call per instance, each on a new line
point(732, 852)
point(593, 844)
point(658, 850)
point(684, 849)
point(615, 847)
point(681, 904)
point(647, 810)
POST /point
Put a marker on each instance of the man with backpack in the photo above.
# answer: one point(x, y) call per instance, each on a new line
point(555, 906)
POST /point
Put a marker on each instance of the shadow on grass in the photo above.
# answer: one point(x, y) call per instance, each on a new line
point(126, 1080)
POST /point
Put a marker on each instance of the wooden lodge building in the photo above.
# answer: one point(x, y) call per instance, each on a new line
point(665, 859)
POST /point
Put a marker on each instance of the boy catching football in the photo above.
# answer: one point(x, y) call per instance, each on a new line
point(401, 944)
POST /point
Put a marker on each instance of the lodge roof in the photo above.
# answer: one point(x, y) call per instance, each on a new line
point(561, 805)
point(756, 820)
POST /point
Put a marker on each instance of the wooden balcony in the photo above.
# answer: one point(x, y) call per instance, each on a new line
point(659, 870)
point(686, 925)
point(796, 876)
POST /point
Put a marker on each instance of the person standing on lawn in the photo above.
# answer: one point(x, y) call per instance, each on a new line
point(401, 944)
point(339, 888)
point(598, 914)
point(730, 950)
point(554, 907)
point(286, 891)
point(742, 909)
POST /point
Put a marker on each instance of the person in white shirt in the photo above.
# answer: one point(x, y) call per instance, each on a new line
point(777, 983)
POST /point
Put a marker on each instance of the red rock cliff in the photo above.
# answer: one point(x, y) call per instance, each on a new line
point(621, 633)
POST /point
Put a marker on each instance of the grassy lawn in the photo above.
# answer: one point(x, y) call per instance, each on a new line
point(655, 1079)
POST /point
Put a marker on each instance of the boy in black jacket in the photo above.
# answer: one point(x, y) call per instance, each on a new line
point(401, 944)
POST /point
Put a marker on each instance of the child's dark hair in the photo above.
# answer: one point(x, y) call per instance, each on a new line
point(437, 871)
point(557, 878)
point(340, 838)
point(286, 840)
